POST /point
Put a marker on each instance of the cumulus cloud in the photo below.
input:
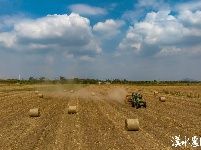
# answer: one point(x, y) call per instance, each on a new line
point(55, 29)
point(86, 58)
point(84, 9)
point(71, 33)
point(131, 42)
point(190, 5)
point(8, 21)
point(189, 18)
point(109, 28)
point(142, 7)
point(169, 50)
point(154, 4)
point(93, 45)
point(133, 15)
point(7, 39)
point(162, 33)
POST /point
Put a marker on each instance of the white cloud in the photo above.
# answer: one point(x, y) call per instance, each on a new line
point(61, 29)
point(163, 33)
point(169, 50)
point(93, 45)
point(84, 9)
point(71, 33)
point(131, 43)
point(37, 46)
point(7, 21)
point(109, 28)
point(142, 7)
point(154, 4)
point(190, 19)
point(7, 39)
point(86, 58)
point(190, 5)
point(133, 15)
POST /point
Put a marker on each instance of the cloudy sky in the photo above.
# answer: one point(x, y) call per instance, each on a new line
point(127, 39)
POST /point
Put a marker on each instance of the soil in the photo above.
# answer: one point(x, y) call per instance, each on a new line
point(100, 119)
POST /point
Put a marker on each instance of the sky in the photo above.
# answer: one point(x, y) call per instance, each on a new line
point(109, 39)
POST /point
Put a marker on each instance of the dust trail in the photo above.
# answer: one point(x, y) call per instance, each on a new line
point(118, 94)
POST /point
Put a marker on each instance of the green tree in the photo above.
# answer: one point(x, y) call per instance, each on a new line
point(62, 80)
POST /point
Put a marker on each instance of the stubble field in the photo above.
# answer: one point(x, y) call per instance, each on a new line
point(100, 119)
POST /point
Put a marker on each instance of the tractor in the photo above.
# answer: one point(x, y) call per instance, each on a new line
point(137, 101)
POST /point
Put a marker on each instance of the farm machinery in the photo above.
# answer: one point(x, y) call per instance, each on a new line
point(135, 99)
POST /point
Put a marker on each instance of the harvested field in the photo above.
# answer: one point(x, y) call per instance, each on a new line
point(100, 119)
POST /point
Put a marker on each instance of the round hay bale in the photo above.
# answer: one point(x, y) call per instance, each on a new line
point(36, 92)
point(155, 92)
point(72, 109)
point(71, 91)
point(34, 112)
point(162, 99)
point(93, 94)
point(40, 95)
point(64, 90)
point(132, 124)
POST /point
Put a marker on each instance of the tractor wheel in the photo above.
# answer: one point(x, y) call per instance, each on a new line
point(145, 105)
point(137, 106)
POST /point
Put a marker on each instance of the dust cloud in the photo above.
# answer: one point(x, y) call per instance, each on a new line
point(118, 94)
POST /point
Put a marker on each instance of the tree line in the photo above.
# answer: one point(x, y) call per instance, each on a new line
point(63, 80)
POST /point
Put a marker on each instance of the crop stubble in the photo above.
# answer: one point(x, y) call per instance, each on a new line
point(99, 123)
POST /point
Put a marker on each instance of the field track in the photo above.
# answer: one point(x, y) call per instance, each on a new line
point(100, 121)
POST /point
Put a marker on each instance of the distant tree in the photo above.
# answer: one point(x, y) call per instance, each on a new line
point(31, 79)
point(62, 80)
point(41, 79)
point(76, 80)
point(108, 80)
point(125, 81)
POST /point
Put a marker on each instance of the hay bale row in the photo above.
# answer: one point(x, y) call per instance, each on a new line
point(35, 112)
point(130, 124)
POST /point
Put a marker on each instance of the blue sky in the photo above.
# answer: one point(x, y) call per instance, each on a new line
point(128, 39)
